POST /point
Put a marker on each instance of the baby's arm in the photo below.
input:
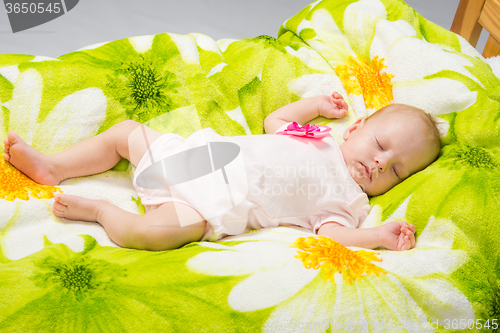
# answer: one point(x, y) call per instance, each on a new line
point(302, 111)
point(397, 235)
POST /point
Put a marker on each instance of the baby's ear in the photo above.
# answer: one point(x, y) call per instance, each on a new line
point(360, 122)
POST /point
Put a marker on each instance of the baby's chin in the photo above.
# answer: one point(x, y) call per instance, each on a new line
point(366, 185)
point(361, 181)
point(372, 192)
point(370, 188)
point(363, 187)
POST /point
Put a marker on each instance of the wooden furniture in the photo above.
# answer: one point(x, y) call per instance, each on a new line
point(474, 15)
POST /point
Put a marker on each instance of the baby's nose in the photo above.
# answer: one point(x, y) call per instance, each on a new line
point(381, 164)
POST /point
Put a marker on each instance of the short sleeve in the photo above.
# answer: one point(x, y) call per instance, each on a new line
point(282, 128)
point(349, 215)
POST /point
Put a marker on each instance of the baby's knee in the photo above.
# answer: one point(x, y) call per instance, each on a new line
point(162, 237)
point(129, 123)
point(143, 237)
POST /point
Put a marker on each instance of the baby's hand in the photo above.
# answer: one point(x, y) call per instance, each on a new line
point(333, 106)
point(397, 235)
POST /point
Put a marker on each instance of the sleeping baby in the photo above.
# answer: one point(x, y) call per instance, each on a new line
point(267, 180)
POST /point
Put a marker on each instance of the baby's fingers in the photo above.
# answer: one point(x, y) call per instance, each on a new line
point(407, 245)
point(339, 100)
point(336, 95)
point(343, 106)
point(409, 230)
point(412, 238)
point(413, 228)
point(409, 240)
point(404, 243)
point(401, 243)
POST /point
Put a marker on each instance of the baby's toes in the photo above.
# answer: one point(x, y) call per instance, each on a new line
point(12, 137)
point(58, 208)
point(61, 199)
point(57, 202)
point(57, 212)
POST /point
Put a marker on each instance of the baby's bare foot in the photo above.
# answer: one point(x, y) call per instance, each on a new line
point(30, 161)
point(73, 207)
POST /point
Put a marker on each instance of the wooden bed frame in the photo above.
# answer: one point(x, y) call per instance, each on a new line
point(474, 15)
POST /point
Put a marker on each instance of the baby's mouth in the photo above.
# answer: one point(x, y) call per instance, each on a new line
point(367, 170)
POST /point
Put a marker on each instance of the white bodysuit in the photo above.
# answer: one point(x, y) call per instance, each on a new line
point(270, 180)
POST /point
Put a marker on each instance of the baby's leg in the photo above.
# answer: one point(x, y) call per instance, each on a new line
point(157, 230)
point(128, 139)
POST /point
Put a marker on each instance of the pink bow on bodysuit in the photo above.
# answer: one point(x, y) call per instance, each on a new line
point(308, 130)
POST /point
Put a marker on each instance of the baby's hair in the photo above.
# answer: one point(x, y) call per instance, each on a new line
point(428, 121)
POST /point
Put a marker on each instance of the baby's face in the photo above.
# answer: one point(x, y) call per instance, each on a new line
point(384, 151)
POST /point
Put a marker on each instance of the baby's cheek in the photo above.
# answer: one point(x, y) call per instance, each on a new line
point(388, 185)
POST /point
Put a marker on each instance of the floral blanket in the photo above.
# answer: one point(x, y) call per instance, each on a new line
point(58, 275)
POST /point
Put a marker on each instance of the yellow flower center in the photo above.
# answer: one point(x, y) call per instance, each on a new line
point(360, 77)
point(332, 257)
point(15, 184)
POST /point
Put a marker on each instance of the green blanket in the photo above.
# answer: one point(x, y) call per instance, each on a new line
point(58, 275)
